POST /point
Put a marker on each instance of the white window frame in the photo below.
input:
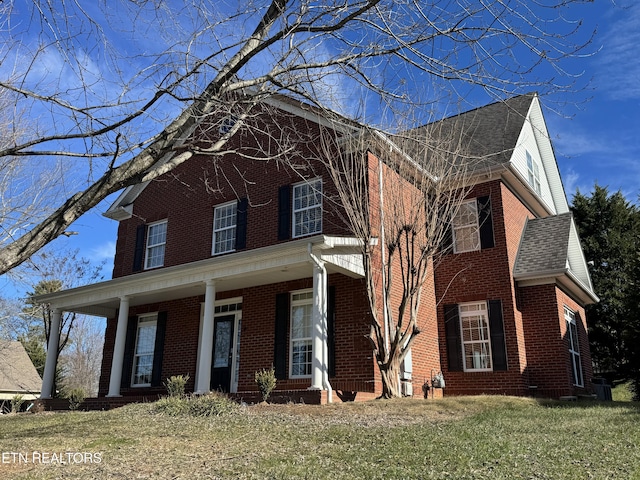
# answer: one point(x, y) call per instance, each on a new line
point(228, 228)
point(144, 321)
point(473, 227)
point(305, 300)
point(149, 247)
point(574, 347)
point(315, 185)
point(533, 173)
point(483, 362)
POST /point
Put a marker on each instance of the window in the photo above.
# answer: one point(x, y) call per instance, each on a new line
point(227, 124)
point(574, 346)
point(156, 240)
point(224, 228)
point(533, 171)
point(301, 330)
point(476, 341)
point(307, 208)
point(466, 234)
point(144, 350)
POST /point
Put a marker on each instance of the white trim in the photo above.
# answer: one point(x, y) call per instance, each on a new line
point(145, 317)
point(259, 266)
point(300, 303)
point(162, 244)
point(476, 226)
point(311, 183)
point(570, 319)
point(484, 313)
point(225, 229)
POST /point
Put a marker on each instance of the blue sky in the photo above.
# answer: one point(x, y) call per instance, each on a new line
point(595, 140)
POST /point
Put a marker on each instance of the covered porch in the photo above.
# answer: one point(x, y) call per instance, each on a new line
point(312, 257)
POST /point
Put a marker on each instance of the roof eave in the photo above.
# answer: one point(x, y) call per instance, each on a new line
point(564, 278)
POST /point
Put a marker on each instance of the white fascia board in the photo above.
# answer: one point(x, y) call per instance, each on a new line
point(564, 278)
point(271, 257)
point(311, 114)
point(545, 147)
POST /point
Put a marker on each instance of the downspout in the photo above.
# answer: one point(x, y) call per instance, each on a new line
point(385, 314)
point(325, 348)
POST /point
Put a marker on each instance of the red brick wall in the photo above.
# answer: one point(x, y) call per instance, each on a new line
point(488, 275)
point(354, 364)
point(400, 198)
point(187, 195)
point(547, 341)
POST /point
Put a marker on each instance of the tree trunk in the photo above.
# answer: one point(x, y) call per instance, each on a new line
point(390, 373)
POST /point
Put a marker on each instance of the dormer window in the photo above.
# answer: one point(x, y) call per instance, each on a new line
point(533, 171)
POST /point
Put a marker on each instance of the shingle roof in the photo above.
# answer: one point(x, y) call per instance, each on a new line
point(544, 246)
point(486, 135)
point(17, 373)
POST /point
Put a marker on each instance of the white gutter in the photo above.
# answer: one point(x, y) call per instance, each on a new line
point(324, 325)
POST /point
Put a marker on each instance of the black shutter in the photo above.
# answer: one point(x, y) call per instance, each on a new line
point(129, 347)
point(496, 327)
point(331, 332)
point(280, 344)
point(284, 212)
point(485, 221)
point(138, 254)
point(158, 349)
point(241, 224)
point(452, 331)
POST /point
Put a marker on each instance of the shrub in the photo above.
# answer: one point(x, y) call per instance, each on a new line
point(210, 405)
point(175, 385)
point(266, 381)
point(16, 403)
point(76, 397)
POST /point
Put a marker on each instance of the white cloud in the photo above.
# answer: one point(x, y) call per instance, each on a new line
point(104, 251)
point(617, 65)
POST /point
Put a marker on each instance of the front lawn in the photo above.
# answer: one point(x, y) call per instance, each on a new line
point(457, 438)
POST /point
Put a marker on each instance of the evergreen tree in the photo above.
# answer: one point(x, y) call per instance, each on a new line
point(608, 227)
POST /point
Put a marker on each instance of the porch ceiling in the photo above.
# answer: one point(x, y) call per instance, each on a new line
point(276, 263)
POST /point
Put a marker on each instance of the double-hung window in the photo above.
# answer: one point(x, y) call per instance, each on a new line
point(144, 350)
point(224, 228)
point(466, 233)
point(574, 347)
point(156, 241)
point(476, 340)
point(533, 172)
point(307, 208)
point(301, 331)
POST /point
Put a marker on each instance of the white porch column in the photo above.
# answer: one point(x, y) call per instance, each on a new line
point(52, 355)
point(205, 342)
point(118, 349)
point(319, 316)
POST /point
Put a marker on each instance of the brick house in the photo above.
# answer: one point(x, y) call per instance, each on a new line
point(258, 270)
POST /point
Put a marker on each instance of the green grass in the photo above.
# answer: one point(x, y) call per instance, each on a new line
point(622, 392)
point(457, 438)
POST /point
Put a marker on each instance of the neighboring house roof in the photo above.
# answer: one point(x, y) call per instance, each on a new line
point(550, 252)
point(17, 373)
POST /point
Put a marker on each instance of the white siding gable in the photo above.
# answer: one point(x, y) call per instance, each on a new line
point(534, 138)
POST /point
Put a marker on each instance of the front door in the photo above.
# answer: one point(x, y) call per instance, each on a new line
point(222, 353)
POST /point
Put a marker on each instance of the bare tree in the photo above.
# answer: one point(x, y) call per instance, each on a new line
point(119, 88)
point(398, 194)
point(82, 358)
point(51, 273)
